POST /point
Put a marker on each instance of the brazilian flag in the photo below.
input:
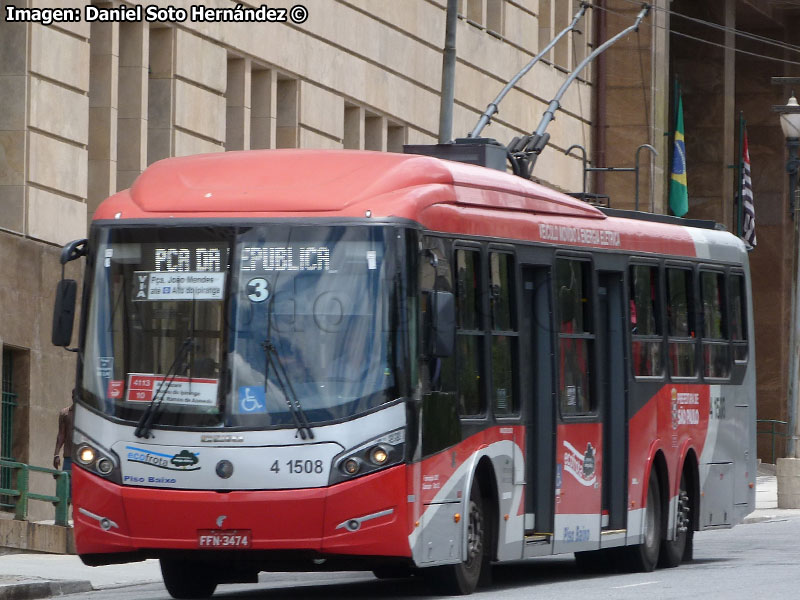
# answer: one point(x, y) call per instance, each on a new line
point(678, 191)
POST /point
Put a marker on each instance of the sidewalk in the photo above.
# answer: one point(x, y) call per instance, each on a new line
point(29, 576)
point(767, 498)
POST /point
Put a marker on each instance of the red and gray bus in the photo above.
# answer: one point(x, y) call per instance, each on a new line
point(307, 360)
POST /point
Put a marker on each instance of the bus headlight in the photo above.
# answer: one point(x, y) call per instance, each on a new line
point(94, 458)
point(379, 455)
point(375, 454)
point(86, 455)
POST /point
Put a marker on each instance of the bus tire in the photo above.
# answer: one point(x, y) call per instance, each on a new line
point(461, 579)
point(673, 551)
point(644, 556)
point(187, 579)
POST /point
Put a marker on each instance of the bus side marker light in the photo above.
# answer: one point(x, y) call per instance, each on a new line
point(752, 485)
point(505, 517)
point(416, 523)
point(457, 517)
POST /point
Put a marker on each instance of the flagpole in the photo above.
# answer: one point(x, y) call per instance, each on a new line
point(740, 173)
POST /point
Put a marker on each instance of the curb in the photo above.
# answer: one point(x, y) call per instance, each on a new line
point(29, 590)
point(751, 520)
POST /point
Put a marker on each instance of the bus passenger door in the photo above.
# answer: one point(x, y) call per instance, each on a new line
point(540, 404)
point(613, 382)
point(579, 434)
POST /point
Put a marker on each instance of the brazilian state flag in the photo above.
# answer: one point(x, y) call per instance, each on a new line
point(678, 191)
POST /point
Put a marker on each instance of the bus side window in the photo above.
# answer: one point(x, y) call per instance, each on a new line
point(738, 317)
point(436, 275)
point(716, 349)
point(575, 336)
point(504, 333)
point(680, 323)
point(645, 321)
point(469, 333)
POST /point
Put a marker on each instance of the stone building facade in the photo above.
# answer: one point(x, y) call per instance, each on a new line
point(85, 107)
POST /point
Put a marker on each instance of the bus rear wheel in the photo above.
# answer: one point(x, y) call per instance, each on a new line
point(461, 579)
point(674, 551)
point(187, 579)
point(644, 556)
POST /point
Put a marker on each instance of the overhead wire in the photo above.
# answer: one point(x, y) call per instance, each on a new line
point(738, 32)
point(753, 37)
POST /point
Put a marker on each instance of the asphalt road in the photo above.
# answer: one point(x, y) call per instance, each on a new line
point(751, 561)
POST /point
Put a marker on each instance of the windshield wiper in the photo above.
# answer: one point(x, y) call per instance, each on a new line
point(145, 424)
point(292, 401)
point(273, 359)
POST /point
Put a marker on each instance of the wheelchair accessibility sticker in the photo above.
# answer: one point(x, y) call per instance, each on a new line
point(252, 400)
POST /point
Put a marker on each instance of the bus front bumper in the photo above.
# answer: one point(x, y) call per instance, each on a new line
point(366, 516)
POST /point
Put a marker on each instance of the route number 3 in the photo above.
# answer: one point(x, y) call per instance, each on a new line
point(257, 289)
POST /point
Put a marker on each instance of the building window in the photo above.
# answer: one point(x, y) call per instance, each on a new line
point(287, 115)
point(475, 11)
point(263, 90)
point(545, 27)
point(7, 406)
point(395, 137)
point(645, 321)
point(495, 16)
point(575, 335)
point(374, 132)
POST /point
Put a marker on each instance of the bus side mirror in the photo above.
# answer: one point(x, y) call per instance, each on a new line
point(66, 291)
point(64, 312)
point(443, 324)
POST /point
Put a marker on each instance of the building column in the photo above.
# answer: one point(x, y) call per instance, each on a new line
point(13, 100)
point(237, 98)
point(103, 94)
point(161, 95)
point(134, 58)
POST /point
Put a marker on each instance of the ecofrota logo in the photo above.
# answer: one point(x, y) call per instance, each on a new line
point(182, 461)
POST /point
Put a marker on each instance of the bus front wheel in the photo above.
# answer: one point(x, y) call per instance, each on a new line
point(462, 578)
point(187, 579)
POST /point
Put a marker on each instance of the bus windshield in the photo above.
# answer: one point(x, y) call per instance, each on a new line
point(245, 326)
